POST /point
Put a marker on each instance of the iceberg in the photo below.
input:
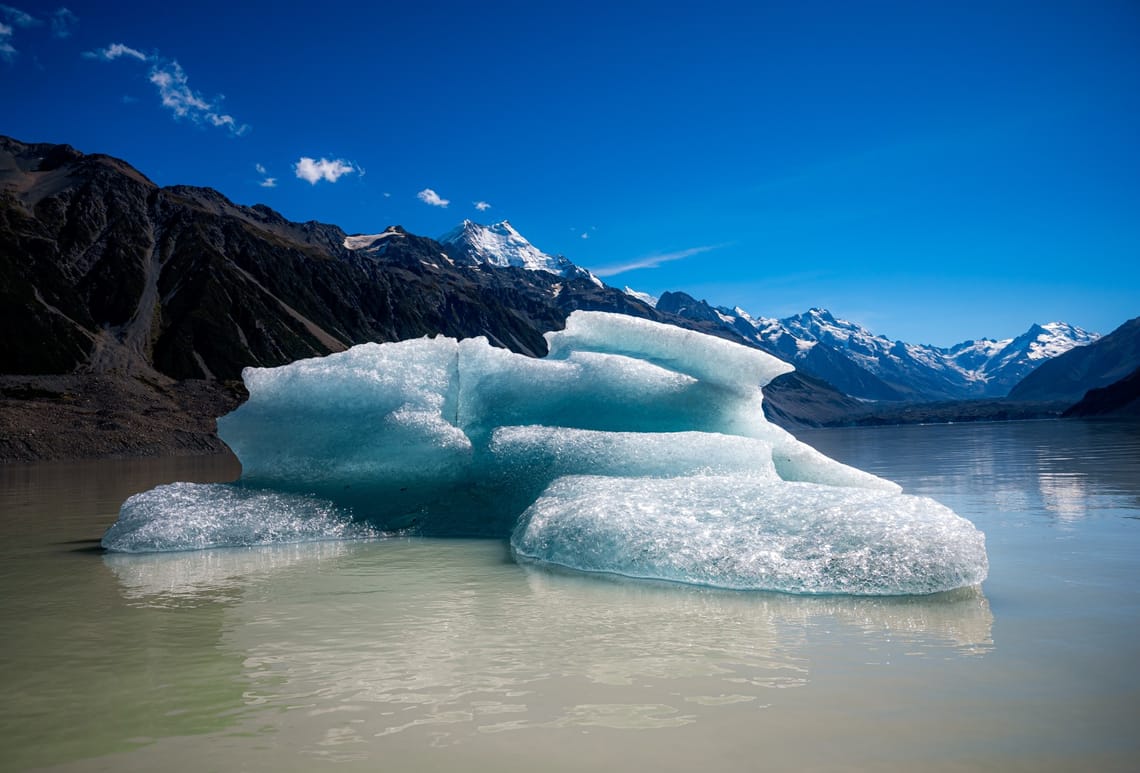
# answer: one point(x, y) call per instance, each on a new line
point(633, 448)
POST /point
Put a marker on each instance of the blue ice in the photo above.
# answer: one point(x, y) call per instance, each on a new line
point(632, 448)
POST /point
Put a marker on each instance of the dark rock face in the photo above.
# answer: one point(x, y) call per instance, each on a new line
point(1072, 374)
point(1119, 399)
point(104, 271)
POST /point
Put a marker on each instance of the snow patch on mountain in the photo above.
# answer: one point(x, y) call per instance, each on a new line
point(646, 298)
point(367, 241)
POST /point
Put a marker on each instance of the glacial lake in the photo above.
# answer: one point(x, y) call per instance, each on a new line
point(445, 655)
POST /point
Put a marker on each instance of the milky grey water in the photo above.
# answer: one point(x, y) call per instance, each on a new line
point(445, 655)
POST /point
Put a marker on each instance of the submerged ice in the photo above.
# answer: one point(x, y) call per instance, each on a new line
point(632, 448)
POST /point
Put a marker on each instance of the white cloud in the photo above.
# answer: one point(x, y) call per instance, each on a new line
point(428, 196)
point(482, 206)
point(174, 88)
point(268, 182)
point(113, 52)
point(314, 171)
point(184, 102)
point(653, 261)
point(585, 235)
point(387, 195)
point(63, 22)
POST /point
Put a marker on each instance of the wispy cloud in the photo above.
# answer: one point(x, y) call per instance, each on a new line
point(653, 261)
point(13, 17)
point(174, 88)
point(7, 50)
point(268, 182)
point(314, 171)
point(585, 235)
point(184, 102)
point(17, 17)
point(482, 206)
point(428, 196)
point(113, 52)
point(63, 22)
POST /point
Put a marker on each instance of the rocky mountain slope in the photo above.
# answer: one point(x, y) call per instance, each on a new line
point(872, 367)
point(127, 301)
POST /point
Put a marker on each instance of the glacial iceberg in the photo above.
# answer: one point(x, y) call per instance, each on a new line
point(632, 448)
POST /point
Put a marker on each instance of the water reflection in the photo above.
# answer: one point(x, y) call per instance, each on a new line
point(346, 643)
point(199, 576)
point(1067, 469)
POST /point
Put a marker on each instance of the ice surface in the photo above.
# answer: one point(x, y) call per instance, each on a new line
point(190, 516)
point(633, 448)
point(743, 532)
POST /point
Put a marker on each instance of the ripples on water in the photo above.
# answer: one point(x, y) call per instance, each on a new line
point(409, 654)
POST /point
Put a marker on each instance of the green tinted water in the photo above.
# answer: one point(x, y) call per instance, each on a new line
point(441, 655)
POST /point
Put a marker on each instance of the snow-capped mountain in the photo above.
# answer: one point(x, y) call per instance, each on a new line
point(499, 244)
point(873, 367)
point(848, 356)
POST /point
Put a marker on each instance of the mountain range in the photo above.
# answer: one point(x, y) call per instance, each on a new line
point(137, 306)
point(872, 367)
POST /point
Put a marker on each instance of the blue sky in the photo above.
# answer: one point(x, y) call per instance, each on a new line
point(935, 171)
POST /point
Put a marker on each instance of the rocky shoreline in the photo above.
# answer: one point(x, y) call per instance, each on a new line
point(88, 416)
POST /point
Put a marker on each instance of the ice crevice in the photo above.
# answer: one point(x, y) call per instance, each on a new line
point(632, 448)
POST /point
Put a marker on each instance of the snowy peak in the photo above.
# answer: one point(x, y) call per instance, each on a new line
point(821, 325)
point(872, 367)
point(499, 244)
point(1044, 342)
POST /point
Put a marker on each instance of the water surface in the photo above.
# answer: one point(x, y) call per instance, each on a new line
point(440, 655)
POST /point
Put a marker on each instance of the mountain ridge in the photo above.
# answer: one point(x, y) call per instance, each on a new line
point(872, 367)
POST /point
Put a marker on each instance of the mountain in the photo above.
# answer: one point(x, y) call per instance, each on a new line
point(132, 308)
point(1118, 399)
point(501, 245)
point(872, 367)
point(118, 293)
point(1072, 374)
